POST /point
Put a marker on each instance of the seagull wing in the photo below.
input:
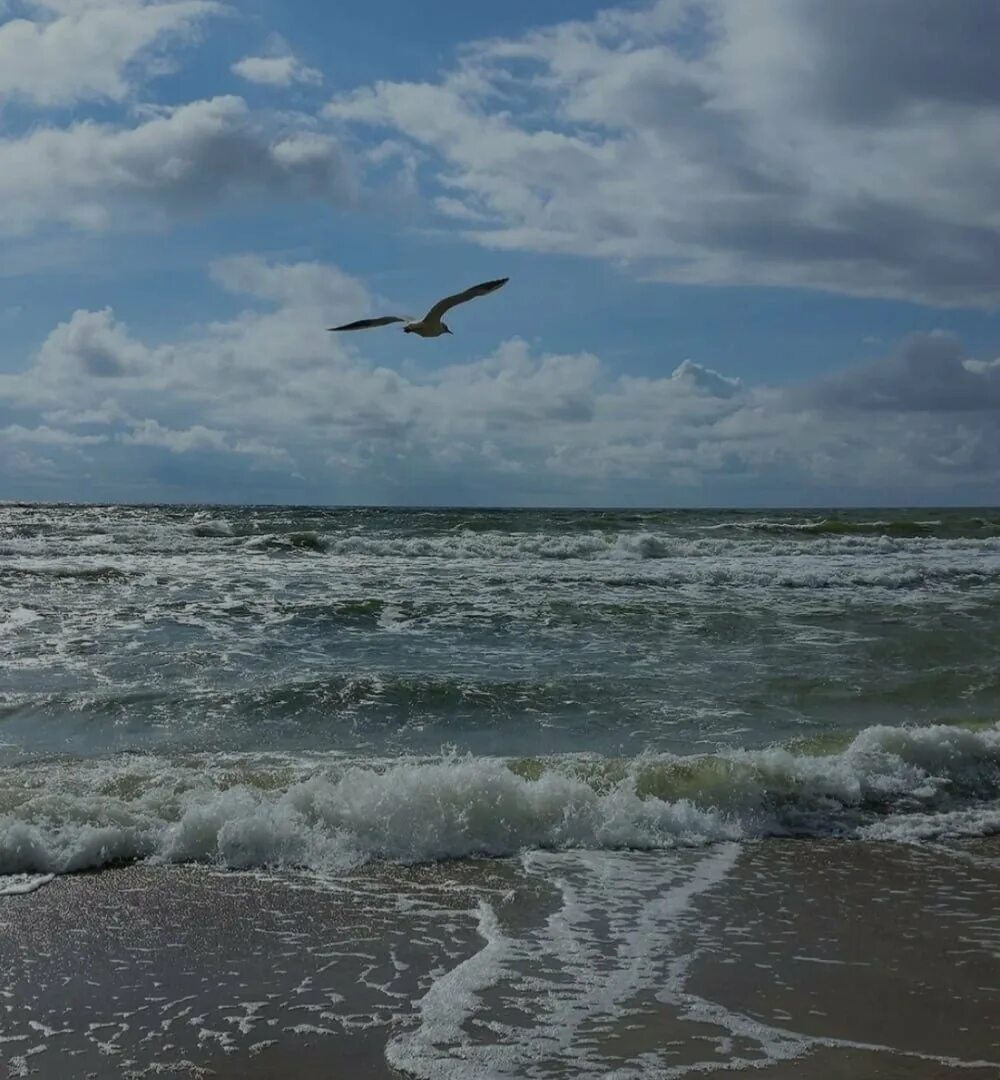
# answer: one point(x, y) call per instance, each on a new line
point(367, 324)
point(442, 306)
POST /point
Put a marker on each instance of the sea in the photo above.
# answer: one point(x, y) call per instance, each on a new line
point(604, 706)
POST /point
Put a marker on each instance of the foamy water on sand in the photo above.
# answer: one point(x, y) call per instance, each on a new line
point(616, 708)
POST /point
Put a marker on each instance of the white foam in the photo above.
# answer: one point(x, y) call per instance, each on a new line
point(18, 617)
point(450, 1000)
point(588, 964)
point(208, 527)
point(764, 559)
point(625, 928)
point(22, 884)
point(327, 818)
point(918, 828)
point(326, 814)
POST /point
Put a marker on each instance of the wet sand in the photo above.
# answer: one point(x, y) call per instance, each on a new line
point(186, 969)
point(879, 945)
point(809, 959)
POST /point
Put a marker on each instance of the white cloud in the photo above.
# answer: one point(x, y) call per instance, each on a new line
point(153, 433)
point(199, 438)
point(205, 154)
point(108, 412)
point(312, 285)
point(276, 71)
point(272, 388)
point(845, 146)
point(47, 436)
point(92, 346)
point(88, 51)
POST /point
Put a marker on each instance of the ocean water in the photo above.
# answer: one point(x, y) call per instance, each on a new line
point(316, 688)
point(610, 705)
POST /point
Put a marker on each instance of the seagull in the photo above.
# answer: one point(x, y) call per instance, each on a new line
point(430, 325)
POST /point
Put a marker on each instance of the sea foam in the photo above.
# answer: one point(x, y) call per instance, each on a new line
point(328, 814)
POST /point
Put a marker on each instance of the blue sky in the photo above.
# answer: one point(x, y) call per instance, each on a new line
point(736, 277)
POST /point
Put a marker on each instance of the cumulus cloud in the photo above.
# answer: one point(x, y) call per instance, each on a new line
point(271, 388)
point(847, 147)
point(88, 51)
point(182, 161)
point(92, 346)
point(276, 71)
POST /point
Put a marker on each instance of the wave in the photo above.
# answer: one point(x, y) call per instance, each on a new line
point(213, 528)
point(328, 814)
point(95, 543)
point(973, 527)
point(618, 547)
point(328, 695)
point(616, 566)
point(67, 569)
point(302, 540)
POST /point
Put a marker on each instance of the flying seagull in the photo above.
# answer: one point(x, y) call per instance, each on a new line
point(430, 325)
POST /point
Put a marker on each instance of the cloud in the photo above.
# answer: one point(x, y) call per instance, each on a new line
point(928, 373)
point(706, 380)
point(197, 438)
point(178, 163)
point(847, 147)
point(271, 388)
point(276, 71)
point(92, 346)
point(311, 285)
point(44, 454)
point(93, 51)
point(107, 412)
point(863, 69)
point(47, 436)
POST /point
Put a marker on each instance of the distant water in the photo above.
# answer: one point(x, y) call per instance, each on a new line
point(317, 688)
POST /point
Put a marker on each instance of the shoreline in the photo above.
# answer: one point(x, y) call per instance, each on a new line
point(807, 959)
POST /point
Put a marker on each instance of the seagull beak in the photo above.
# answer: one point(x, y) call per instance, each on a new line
point(448, 331)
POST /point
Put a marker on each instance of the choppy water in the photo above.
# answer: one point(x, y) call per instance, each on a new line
point(304, 687)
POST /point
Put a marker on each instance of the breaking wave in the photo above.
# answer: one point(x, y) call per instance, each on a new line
point(329, 813)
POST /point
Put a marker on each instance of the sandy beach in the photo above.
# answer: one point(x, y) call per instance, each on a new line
point(837, 959)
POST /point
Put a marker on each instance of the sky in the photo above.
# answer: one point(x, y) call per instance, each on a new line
point(753, 249)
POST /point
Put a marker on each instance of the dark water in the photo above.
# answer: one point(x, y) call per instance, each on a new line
point(275, 685)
